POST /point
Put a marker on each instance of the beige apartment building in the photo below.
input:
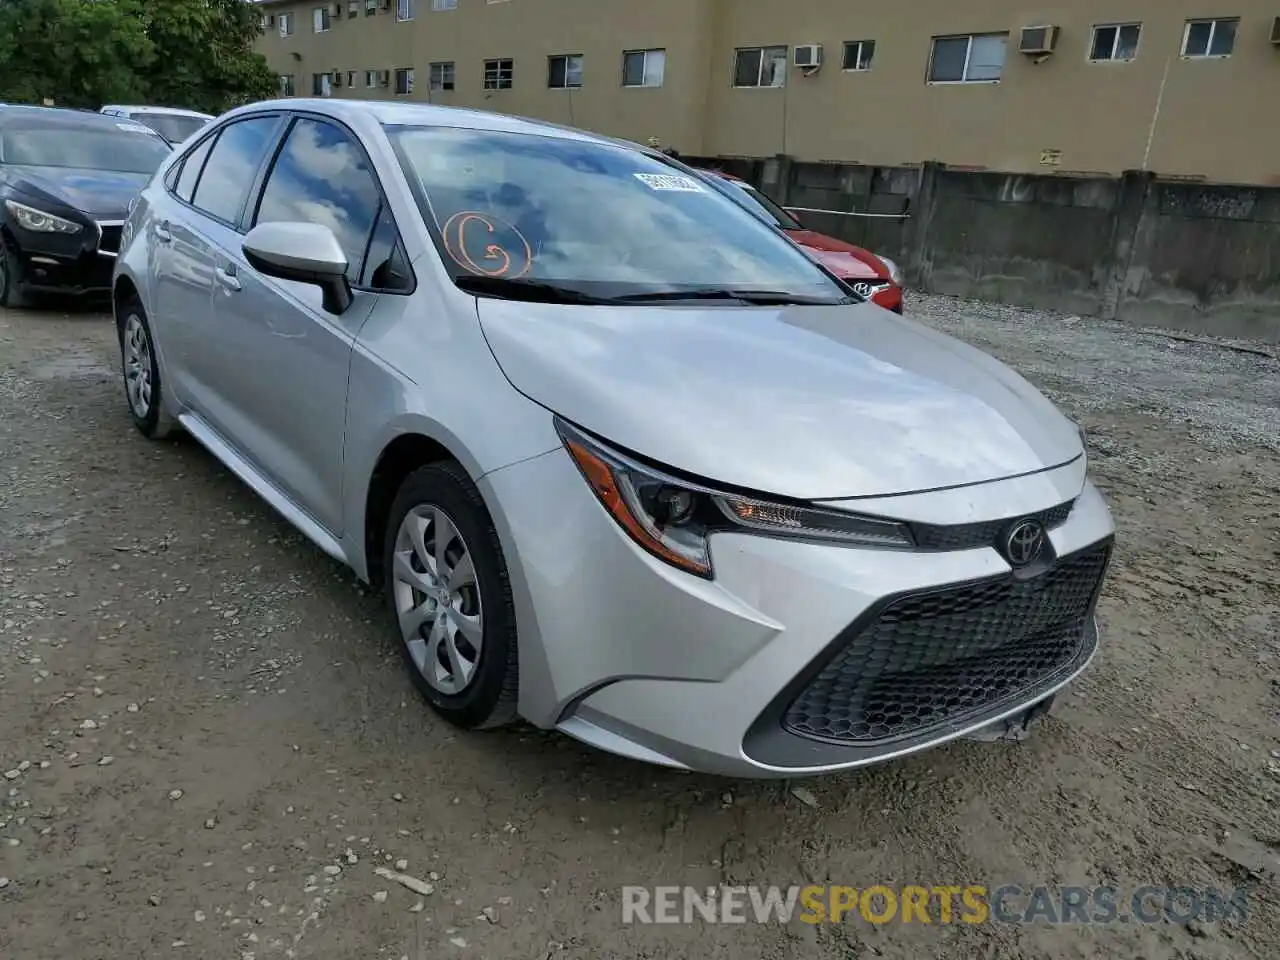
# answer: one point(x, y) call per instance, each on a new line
point(1180, 87)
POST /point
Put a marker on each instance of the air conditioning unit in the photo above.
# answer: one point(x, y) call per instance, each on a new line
point(385, 4)
point(337, 78)
point(1275, 31)
point(335, 11)
point(384, 78)
point(1038, 40)
point(808, 56)
point(271, 20)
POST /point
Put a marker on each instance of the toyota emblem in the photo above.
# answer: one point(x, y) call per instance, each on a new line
point(1024, 542)
point(862, 288)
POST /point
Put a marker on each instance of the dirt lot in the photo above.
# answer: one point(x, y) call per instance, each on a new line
point(200, 713)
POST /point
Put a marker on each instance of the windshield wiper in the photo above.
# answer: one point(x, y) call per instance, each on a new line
point(763, 298)
point(534, 291)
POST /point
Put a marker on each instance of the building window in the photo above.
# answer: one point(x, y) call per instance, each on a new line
point(974, 59)
point(321, 84)
point(858, 54)
point(285, 22)
point(351, 78)
point(564, 72)
point(404, 82)
point(444, 4)
point(286, 85)
point(370, 7)
point(404, 9)
point(499, 74)
point(1116, 41)
point(760, 67)
point(441, 77)
point(371, 78)
point(643, 68)
point(353, 8)
point(1209, 38)
point(320, 19)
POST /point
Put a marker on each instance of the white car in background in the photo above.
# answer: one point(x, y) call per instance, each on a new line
point(173, 123)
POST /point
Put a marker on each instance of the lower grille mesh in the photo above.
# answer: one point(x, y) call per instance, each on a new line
point(936, 659)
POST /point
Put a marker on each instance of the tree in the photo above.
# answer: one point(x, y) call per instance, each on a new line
point(80, 53)
point(206, 59)
point(84, 53)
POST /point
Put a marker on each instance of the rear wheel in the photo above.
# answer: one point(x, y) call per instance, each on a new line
point(448, 591)
point(141, 371)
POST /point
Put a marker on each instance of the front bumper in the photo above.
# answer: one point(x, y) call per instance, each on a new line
point(625, 652)
point(888, 296)
point(74, 264)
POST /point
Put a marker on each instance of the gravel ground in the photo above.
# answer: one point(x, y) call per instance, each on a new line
point(208, 743)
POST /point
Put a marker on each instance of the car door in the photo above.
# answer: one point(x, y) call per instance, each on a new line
point(202, 205)
point(292, 356)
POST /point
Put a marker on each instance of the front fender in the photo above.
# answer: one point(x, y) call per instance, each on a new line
point(466, 406)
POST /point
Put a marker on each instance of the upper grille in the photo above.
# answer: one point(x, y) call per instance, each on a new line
point(937, 659)
point(967, 536)
point(110, 242)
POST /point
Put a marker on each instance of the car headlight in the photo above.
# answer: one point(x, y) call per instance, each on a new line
point(895, 273)
point(37, 221)
point(674, 518)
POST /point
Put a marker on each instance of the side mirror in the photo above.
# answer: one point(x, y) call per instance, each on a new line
point(305, 252)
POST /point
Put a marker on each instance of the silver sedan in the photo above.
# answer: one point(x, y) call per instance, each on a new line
point(624, 460)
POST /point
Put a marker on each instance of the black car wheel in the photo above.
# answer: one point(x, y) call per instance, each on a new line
point(11, 293)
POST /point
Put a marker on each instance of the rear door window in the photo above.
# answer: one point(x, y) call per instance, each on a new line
point(232, 165)
point(191, 166)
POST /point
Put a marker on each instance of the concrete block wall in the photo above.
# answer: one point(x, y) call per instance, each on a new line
point(1203, 258)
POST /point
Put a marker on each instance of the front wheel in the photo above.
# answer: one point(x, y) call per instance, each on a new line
point(448, 590)
point(11, 292)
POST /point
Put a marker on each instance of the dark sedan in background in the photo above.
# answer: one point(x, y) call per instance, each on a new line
point(67, 179)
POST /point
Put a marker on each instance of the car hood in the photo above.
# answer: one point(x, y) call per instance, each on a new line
point(808, 402)
point(843, 259)
point(99, 193)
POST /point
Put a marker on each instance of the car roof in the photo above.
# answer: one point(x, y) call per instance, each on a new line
point(55, 118)
point(144, 108)
point(426, 114)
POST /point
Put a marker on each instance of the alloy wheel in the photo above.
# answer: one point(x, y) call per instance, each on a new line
point(437, 599)
point(137, 365)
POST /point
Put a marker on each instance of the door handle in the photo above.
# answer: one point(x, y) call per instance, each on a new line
point(227, 277)
point(161, 230)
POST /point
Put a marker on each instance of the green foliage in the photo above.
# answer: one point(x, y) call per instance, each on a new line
point(84, 53)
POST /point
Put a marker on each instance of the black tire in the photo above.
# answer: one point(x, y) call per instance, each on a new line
point(490, 698)
point(155, 422)
point(12, 294)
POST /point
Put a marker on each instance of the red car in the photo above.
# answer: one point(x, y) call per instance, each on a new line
point(876, 278)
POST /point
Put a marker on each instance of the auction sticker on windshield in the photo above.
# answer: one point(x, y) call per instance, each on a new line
point(134, 128)
point(669, 181)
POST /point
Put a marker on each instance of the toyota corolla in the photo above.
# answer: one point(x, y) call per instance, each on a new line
point(623, 460)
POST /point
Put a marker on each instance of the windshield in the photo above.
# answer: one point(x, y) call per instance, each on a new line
point(86, 148)
point(777, 216)
point(595, 218)
point(174, 127)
